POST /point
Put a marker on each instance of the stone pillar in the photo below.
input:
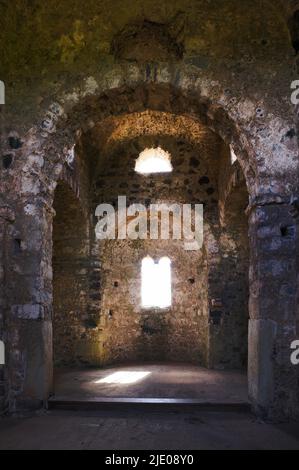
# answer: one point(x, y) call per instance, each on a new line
point(294, 210)
point(295, 214)
point(29, 305)
point(7, 218)
point(272, 309)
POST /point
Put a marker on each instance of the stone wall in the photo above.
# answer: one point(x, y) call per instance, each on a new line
point(108, 324)
point(272, 326)
point(236, 81)
point(70, 274)
point(229, 266)
point(6, 219)
point(132, 333)
point(228, 295)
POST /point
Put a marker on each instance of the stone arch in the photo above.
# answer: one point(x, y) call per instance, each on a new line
point(237, 121)
point(266, 151)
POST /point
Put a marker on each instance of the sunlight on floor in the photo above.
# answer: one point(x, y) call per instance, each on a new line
point(123, 377)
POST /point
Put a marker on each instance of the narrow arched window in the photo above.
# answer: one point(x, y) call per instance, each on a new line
point(156, 283)
point(153, 160)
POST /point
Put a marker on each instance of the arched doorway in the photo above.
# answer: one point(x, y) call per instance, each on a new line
point(220, 114)
point(206, 324)
point(70, 274)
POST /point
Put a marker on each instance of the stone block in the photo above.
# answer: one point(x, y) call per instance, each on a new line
point(28, 311)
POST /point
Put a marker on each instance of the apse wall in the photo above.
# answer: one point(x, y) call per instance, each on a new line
point(98, 314)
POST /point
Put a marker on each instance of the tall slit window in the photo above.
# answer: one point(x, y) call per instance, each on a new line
point(156, 283)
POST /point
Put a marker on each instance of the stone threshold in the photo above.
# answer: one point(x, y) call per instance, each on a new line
point(159, 404)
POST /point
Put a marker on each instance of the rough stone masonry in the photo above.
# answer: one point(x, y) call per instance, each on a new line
point(87, 90)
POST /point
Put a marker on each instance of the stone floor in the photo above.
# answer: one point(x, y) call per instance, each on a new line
point(153, 381)
point(133, 430)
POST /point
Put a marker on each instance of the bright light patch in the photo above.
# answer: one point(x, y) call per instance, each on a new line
point(123, 377)
point(154, 160)
point(156, 283)
point(233, 156)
